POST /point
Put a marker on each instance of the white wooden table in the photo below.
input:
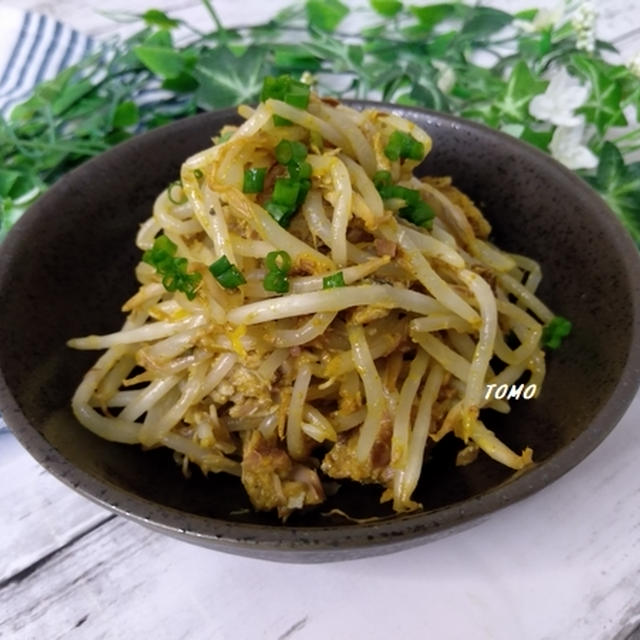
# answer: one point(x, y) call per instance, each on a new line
point(563, 564)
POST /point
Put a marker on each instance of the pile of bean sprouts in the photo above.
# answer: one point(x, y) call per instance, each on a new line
point(286, 390)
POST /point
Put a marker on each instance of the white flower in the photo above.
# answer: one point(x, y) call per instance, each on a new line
point(308, 78)
point(544, 19)
point(558, 103)
point(584, 23)
point(566, 147)
point(634, 65)
point(446, 76)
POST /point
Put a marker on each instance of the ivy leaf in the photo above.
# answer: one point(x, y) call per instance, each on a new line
point(603, 106)
point(163, 61)
point(619, 185)
point(157, 39)
point(441, 44)
point(430, 16)
point(633, 97)
point(290, 58)
point(355, 53)
point(521, 87)
point(386, 8)
point(7, 181)
point(485, 113)
point(126, 115)
point(226, 80)
point(485, 21)
point(427, 95)
point(373, 32)
point(183, 83)
point(540, 139)
point(157, 18)
point(527, 14)
point(325, 15)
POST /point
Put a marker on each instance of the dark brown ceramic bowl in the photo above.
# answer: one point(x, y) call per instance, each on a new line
point(68, 265)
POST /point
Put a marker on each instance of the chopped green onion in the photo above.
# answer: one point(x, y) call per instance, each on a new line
point(286, 192)
point(299, 170)
point(297, 94)
point(276, 281)
point(198, 174)
point(333, 281)
point(173, 270)
point(555, 331)
point(288, 150)
point(232, 278)
point(420, 214)
point(415, 210)
point(162, 249)
point(410, 196)
point(382, 179)
point(220, 266)
point(288, 90)
point(403, 145)
point(282, 215)
point(172, 185)
point(227, 274)
point(278, 261)
point(289, 193)
point(254, 180)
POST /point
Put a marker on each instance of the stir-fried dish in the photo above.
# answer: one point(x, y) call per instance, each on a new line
point(309, 309)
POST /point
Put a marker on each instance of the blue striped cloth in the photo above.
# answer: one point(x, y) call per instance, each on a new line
point(34, 48)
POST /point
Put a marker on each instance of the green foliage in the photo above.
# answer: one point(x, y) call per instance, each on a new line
point(603, 108)
point(619, 185)
point(521, 87)
point(416, 54)
point(325, 15)
point(386, 8)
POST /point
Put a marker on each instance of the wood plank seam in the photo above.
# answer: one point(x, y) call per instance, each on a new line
point(41, 562)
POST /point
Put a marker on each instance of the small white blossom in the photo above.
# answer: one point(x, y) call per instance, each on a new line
point(566, 147)
point(558, 103)
point(446, 76)
point(584, 23)
point(634, 65)
point(308, 78)
point(544, 19)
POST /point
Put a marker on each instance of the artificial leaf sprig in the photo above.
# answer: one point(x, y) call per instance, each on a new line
point(516, 72)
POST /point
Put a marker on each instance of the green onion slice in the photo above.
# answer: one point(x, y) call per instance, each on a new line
point(227, 274)
point(333, 281)
point(555, 331)
point(278, 261)
point(286, 192)
point(173, 185)
point(282, 215)
point(254, 180)
point(276, 281)
point(290, 150)
point(173, 270)
point(288, 90)
point(403, 145)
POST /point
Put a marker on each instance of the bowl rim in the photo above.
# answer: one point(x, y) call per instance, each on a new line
point(423, 525)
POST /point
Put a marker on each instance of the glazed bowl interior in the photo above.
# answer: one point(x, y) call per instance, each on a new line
point(67, 267)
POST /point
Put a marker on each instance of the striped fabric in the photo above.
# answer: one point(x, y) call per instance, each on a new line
point(33, 48)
